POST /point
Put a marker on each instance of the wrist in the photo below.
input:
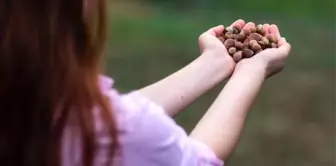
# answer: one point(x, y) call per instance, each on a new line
point(252, 66)
point(222, 64)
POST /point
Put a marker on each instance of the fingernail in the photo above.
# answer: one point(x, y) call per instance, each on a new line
point(284, 39)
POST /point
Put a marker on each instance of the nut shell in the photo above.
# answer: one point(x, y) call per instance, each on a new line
point(229, 43)
point(272, 38)
point(246, 32)
point(255, 36)
point(253, 29)
point(239, 45)
point(265, 40)
point(251, 42)
point(245, 43)
point(262, 44)
point(236, 29)
point(241, 37)
point(273, 45)
point(234, 36)
point(232, 50)
point(227, 35)
point(256, 47)
point(260, 29)
point(229, 29)
point(237, 56)
point(247, 53)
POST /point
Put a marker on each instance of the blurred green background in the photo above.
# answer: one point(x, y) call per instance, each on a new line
point(293, 120)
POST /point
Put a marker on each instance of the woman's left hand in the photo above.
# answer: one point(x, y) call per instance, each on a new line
point(212, 47)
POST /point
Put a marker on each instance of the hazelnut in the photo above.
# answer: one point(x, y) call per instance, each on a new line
point(260, 29)
point(262, 44)
point(232, 50)
point(234, 36)
point(265, 40)
point(253, 29)
point(256, 47)
point(255, 36)
point(251, 42)
point(229, 29)
point(236, 29)
point(246, 42)
point(247, 53)
point(229, 43)
point(246, 32)
point(237, 56)
point(272, 38)
point(239, 45)
point(227, 35)
point(241, 37)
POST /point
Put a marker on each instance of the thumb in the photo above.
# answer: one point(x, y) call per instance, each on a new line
point(215, 31)
point(284, 48)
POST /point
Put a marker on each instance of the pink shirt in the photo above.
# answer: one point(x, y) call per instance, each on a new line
point(147, 136)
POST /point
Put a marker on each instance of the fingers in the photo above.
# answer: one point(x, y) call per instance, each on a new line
point(248, 25)
point(284, 47)
point(266, 28)
point(282, 41)
point(273, 29)
point(239, 23)
point(216, 31)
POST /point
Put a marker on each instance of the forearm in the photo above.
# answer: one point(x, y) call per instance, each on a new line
point(180, 89)
point(221, 126)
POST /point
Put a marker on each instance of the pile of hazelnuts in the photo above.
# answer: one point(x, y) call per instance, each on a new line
point(245, 43)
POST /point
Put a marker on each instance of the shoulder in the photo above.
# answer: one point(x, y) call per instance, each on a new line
point(150, 137)
point(134, 111)
point(131, 107)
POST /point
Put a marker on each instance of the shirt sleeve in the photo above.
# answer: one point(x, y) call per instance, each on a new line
point(156, 140)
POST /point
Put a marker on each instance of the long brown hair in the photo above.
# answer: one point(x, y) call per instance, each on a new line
point(49, 63)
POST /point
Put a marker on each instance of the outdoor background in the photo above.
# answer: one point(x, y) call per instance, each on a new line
point(293, 120)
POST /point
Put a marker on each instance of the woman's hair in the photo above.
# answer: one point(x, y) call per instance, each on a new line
point(49, 63)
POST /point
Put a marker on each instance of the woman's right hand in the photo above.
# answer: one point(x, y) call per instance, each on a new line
point(271, 60)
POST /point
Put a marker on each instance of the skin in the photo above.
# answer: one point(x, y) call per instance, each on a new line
point(180, 89)
point(221, 126)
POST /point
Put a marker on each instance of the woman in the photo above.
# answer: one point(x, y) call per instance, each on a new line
point(57, 110)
